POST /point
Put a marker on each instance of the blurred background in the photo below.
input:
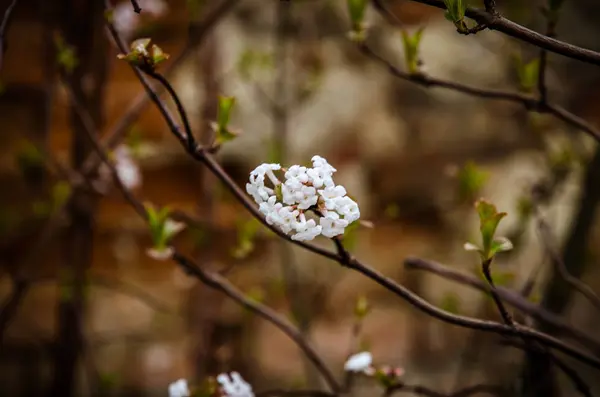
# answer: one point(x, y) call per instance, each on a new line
point(83, 304)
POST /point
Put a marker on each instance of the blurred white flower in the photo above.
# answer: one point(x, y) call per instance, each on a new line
point(126, 21)
point(233, 385)
point(359, 362)
point(126, 168)
point(160, 255)
point(172, 227)
point(285, 204)
point(179, 389)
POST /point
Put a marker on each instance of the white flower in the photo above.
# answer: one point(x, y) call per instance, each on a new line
point(297, 172)
point(160, 255)
point(359, 362)
point(308, 234)
point(332, 225)
point(320, 162)
point(126, 168)
point(306, 229)
point(333, 192)
point(288, 218)
point(234, 385)
point(179, 389)
point(256, 187)
point(348, 208)
point(172, 227)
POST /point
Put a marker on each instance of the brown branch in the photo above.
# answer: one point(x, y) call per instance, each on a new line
point(6, 20)
point(136, 6)
point(218, 282)
point(528, 101)
point(512, 29)
point(464, 392)
point(510, 297)
point(550, 246)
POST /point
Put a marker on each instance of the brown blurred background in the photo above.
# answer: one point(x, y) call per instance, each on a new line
point(88, 297)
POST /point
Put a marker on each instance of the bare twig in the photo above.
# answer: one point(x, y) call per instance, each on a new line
point(497, 22)
point(6, 19)
point(550, 246)
point(528, 101)
point(136, 6)
point(510, 297)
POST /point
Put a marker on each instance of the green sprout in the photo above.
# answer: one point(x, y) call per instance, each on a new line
point(411, 49)
point(143, 56)
point(224, 133)
point(455, 13)
point(162, 231)
point(489, 219)
point(357, 10)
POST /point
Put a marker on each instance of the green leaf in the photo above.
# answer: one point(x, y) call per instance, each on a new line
point(362, 307)
point(357, 9)
point(500, 244)
point(279, 193)
point(489, 219)
point(350, 236)
point(451, 303)
point(224, 112)
point(470, 181)
point(60, 193)
point(392, 211)
point(65, 54)
point(411, 49)
point(158, 55)
point(528, 73)
point(247, 232)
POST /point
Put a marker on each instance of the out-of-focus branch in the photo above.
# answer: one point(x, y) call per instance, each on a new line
point(510, 297)
point(497, 22)
point(6, 19)
point(528, 101)
point(136, 6)
point(489, 390)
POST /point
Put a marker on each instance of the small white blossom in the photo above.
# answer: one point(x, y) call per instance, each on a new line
point(172, 227)
point(234, 385)
point(126, 168)
point(360, 362)
point(332, 225)
point(348, 208)
point(179, 389)
point(160, 255)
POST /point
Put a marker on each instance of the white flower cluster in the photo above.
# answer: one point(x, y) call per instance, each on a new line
point(234, 385)
point(285, 204)
point(179, 389)
point(231, 385)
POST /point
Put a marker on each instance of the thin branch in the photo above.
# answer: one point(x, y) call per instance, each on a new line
point(550, 246)
point(512, 29)
point(490, 390)
point(216, 281)
point(506, 317)
point(510, 297)
point(136, 6)
point(6, 19)
point(528, 101)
